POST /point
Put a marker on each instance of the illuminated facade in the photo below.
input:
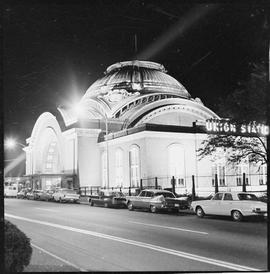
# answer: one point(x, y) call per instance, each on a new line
point(134, 125)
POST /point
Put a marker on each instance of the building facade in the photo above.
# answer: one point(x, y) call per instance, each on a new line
point(134, 126)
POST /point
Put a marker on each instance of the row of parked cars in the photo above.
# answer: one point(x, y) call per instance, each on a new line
point(235, 204)
point(238, 205)
point(58, 195)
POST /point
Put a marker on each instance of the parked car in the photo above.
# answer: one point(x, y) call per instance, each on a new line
point(66, 195)
point(22, 194)
point(33, 194)
point(234, 204)
point(108, 199)
point(156, 200)
point(30, 195)
point(45, 195)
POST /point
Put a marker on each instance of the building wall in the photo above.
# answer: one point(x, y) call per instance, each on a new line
point(154, 162)
point(88, 157)
point(154, 157)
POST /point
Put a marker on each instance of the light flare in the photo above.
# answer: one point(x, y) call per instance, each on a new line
point(176, 30)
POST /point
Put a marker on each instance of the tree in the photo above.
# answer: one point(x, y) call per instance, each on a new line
point(246, 103)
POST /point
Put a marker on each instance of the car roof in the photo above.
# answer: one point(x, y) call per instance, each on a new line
point(157, 190)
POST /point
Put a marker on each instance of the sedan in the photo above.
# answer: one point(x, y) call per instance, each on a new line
point(66, 195)
point(32, 194)
point(45, 195)
point(108, 199)
point(156, 200)
point(234, 204)
point(22, 194)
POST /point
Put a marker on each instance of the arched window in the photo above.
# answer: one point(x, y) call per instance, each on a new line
point(119, 167)
point(243, 167)
point(134, 165)
point(176, 162)
point(263, 174)
point(104, 169)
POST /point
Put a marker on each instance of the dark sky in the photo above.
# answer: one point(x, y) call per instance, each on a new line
point(54, 50)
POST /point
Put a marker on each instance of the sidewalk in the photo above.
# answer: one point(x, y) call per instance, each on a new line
point(43, 262)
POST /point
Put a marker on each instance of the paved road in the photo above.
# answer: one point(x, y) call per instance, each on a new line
point(103, 239)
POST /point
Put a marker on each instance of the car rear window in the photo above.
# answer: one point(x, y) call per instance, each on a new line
point(165, 194)
point(247, 197)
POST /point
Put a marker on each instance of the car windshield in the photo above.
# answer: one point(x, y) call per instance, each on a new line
point(165, 194)
point(247, 197)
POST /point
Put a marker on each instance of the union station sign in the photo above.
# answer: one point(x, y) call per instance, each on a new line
point(225, 126)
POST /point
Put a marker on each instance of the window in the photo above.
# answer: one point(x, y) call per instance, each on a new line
point(219, 170)
point(262, 174)
point(119, 167)
point(48, 165)
point(247, 197)
point(149, 194)
point(134, 165)
point(228, 196)
point(104, 168)
point(176, 162)
point(241, 169)
point(218, 196)
point(143, 193)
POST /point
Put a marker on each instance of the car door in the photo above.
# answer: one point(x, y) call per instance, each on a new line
point(147, 199)
point(226, 204)
point(100, 199)
point(214, 205)
point(139, 200)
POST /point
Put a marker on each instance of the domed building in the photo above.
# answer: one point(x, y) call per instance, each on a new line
point(135, 126)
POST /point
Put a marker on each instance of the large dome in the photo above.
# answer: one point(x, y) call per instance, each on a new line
point(136, 76)
point(135, 92)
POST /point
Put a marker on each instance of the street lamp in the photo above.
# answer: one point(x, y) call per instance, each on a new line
point(11, 143)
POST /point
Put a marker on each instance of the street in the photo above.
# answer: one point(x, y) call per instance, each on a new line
point(88, 238)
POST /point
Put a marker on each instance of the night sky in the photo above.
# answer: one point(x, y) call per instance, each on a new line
point(53, 51)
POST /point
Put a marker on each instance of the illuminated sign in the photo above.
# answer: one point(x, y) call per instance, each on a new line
point(225, 126)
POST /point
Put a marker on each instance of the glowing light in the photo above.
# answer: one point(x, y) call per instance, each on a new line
point(78, 110)
point(10, 143)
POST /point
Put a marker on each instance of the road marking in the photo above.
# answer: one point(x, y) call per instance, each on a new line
point(143, 245)
point(170, 227)
point(47, 209)
point(58, 258)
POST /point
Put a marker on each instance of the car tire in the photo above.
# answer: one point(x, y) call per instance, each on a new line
point(237, 216)
point(130, 206)
point(199, 212)
point(153, 209)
